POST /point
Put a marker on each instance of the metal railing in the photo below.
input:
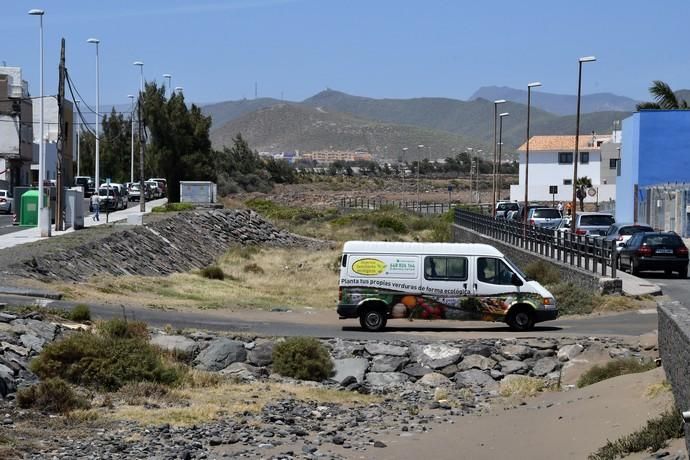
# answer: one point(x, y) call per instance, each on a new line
point(593, 254)
point(378, 203)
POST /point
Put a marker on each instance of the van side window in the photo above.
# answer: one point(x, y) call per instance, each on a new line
point(493, 271)
point(445, 268)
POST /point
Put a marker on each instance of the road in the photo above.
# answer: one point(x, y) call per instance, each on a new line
point(672, 286)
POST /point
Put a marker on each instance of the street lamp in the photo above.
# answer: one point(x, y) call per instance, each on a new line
point(142, 199)
point(404, 151)
point(529, 100)
point(168, 77)
point(179, 89)
point(98, 112)
point(469, 153)
point(577, 140)
point(493, 181)
point(476, 173)
point(76, 102)
point(500, 149)
point(131, 160)
point(419, 164)
point(44, 215)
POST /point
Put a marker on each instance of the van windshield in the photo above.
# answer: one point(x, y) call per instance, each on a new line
point(516, 269)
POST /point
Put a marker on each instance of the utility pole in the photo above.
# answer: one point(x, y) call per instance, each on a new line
point(62, 134)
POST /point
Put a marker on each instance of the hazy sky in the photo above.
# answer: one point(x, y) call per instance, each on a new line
point(217, 49)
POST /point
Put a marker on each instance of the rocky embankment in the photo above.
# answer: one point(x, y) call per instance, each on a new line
point(182, 242)
point(420, 384)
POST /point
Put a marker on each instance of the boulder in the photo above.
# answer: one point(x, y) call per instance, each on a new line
point(32, 342)
point(478, 349)
point(417, 370)
point(544, 366)
point(476, 362)
point(219, 354)
point(375, 348)
point(384, 379)
point(517, 352)
point(387, 363)
point(6, 317)
point(541, 344)
point(21, 351)
point(475, 379)
point(350, 367)
point(513, 367)
point(42, 329)
point(6, 381)
point(434, 379)
point(438, 356)
point(242, 371)
point(261, 354)
point(568, 352)
point(175, 343)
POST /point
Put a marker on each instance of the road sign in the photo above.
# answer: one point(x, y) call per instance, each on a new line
point(553, 189)
point(591, 192)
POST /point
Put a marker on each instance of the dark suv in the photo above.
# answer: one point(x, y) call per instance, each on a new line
point(654, 251)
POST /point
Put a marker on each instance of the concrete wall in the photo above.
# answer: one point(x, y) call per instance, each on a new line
point(523, 258)
point(674, 349)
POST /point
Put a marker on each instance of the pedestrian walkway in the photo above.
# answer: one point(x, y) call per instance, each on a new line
point(32, 234)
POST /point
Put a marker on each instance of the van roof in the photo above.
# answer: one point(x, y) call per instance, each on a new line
point(384, 247)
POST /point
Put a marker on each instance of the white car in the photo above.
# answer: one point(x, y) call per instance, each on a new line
point(6, 201)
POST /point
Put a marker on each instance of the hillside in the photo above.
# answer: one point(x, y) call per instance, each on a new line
point(559, 104)
point(222, 112)
point(297, 127)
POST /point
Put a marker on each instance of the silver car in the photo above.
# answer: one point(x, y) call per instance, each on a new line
point(544, 217)
point(5, 201)
point(593, 223)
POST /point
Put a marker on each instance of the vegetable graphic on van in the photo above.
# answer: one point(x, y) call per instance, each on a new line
point(381, 281)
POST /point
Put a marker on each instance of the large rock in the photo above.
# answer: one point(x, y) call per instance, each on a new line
point(175, 343)
point(478, 349)
point(42, 329)
point(568, 352)
point(350, 367)
point(261, 354)
point(434, 380)
point(475, 379)
point(541, 344)
point(384, 379)
point(21, 351)
point(417, 370)
point(387, 363)
point(544, 366)
point(242, 371)
point(32, 342)
point(513, 367)
point(6, 381)
point(375, 348)
point(220, 353)
point(476, 362)
point(518, 352)
point(438, 356)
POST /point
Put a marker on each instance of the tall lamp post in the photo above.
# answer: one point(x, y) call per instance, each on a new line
point(179, 89)
point(168, 77)
point(404, 151)
point(43, 214)
point(419, 164)
point(493, 177)
point(131, 160)
point(476, 173)
point(577, 140)
point(500, 150)
point(469, 153)
point(529, 100)
point(142, 196)
point(96, 41)
point(76, 102)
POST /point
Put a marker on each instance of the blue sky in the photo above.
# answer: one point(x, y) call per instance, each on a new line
point(217, 49)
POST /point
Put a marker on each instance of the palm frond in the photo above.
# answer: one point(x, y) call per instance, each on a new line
point(664, 95)
point(648, 106)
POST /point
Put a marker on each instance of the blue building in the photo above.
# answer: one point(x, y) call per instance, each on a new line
point(655, 169)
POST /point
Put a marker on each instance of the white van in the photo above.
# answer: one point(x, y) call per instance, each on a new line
point(381, 280)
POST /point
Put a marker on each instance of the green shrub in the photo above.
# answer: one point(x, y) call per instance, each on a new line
point(652, 437)
point(173, 207)
point(51, 395)
point(614, 369)
point(303, 358)
point(543, 272)
point(277, 211)
point(105, 361)
point(120, 328)
point(392, 223)
point(213, 272)
point(572, 299)
point(80, 312)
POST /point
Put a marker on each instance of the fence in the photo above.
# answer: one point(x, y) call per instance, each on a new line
point(378, 203)
point(665, 207)
point(589, 253)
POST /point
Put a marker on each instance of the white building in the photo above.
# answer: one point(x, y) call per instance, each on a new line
point(15, 128)
point(551, 164)
point(50, 134)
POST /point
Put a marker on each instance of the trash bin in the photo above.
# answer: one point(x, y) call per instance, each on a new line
point(29, 209)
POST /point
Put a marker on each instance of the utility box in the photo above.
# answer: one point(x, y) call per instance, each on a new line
point(74, 208)
point(29, 209)
point(198, 192)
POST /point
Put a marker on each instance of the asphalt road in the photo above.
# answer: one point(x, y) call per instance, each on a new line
point(671, 286)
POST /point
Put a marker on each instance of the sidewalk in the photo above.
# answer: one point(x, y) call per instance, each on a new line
point(32, 234)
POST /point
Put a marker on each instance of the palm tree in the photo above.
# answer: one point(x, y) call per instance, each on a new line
point(582, 184)
point(664, 97)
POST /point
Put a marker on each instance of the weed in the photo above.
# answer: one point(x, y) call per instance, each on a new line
point(253, 268)
point(652, 437)
point(654, 390)
point(136, 393)
point(521, 386)
point(119, 328)
point(440, 394)
point(173, 207)
point(303, 358)
point(543, 272)
point(612, 369)
point(52, 395)
point(80, 312)
point(81, 416)
point(572, 299)
point(213, 272)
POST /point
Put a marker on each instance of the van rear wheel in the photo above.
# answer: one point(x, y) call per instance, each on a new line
point(521, 319)
point(373, 320)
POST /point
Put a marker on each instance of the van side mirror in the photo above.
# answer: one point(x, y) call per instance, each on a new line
point(622, 245)
point(515, 281)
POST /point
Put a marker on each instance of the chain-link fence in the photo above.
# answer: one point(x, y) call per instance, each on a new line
point(665, 207)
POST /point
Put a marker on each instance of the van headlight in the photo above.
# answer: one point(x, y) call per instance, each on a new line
point(549, 303)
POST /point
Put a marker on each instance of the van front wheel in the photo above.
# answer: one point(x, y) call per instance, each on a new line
point(521, 319)
point(373, 320)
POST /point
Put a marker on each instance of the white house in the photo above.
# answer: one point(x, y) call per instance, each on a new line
point(551, 164)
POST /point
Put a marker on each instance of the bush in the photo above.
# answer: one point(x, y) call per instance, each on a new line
point(80, 312)
point(392, 223)
point(614, 369)
point(572, 299)
point(173, 207)
point(521, 386)
point(136, 393)
point(213, 272)
point(303, 358)
point(120, 328)
point(543, 272)
point(52, 395)
point(106, 361)
point(253, 268)
point(652, 437)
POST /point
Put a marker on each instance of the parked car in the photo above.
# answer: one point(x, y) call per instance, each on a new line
point(503, 207)
point(86, 183)
point(111, 198)
point(6, 201)
point(122, 194)
point(654, 251)
point(544, 217)
point(162, 185)
point(154, 189)
point(519, 215)
point(621, 232)
point(133, 192)
point(593, 223)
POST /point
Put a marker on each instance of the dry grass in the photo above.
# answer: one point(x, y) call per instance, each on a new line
point(521, 387)
point(616, 303)
point(655, 390)
point(228, 399)
point(287, 280)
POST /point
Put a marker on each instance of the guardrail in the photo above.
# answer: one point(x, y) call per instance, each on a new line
point(374, 203)
point(589, 253)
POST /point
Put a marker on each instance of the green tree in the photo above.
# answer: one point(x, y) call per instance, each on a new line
point(664, 98)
